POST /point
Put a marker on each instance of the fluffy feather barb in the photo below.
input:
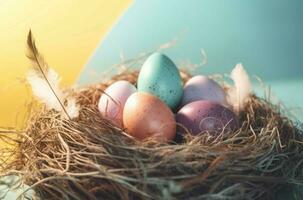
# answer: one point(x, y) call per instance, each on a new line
point(239, 93)
point(43, 92)
point(72, 107)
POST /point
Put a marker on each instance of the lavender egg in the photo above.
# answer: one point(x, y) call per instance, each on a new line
point(203, 88)
point(201, 116)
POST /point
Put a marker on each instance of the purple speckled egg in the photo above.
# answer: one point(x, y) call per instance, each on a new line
point(201, 116)
point(203, 88)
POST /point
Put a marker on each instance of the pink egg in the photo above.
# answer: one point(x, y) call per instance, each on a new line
point(111, 103)
point(203, 88)
point(201, 116)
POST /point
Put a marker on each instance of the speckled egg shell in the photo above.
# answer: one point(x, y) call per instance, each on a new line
point(201, 116)
point(146, 116)
point(160, 77)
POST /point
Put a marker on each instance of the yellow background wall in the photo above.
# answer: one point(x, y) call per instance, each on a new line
point(66, 32)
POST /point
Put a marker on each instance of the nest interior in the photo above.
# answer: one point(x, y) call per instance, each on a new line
point(89, 158)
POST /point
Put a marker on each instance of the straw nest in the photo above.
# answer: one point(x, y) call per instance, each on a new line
point(89, 158)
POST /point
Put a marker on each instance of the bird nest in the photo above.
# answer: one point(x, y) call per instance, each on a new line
point(90, 158)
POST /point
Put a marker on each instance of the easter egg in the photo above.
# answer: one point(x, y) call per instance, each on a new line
point(203, 88)
point(160, 77)
point(146, 116)
point(200, 116)
point(112, 102)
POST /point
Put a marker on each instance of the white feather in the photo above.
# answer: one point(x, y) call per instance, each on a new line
point(43, 92)
point(239, 93)
point(72, 108)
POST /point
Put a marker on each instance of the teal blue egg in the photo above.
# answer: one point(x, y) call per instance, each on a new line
point(160, 77)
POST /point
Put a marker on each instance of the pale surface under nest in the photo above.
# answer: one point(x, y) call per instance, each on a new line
point(88, 158)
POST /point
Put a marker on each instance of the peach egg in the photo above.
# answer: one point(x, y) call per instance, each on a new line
point(146, 116)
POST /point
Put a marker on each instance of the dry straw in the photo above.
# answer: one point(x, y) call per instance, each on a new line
point(89, 158)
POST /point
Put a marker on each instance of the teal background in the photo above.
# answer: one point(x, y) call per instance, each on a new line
point(264, 35)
